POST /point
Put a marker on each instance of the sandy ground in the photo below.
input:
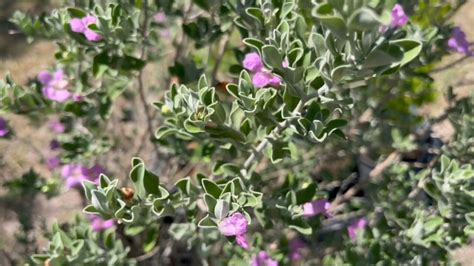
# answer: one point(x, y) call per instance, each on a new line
point(24, 61)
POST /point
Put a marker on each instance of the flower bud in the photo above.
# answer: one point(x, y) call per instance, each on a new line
point(127, 193)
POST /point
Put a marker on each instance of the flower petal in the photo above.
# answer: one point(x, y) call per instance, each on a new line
point(77, 25)
point(262, 79)
point(87, 20)
point(234, 225)
point(44, 77)
point(241, 240)
point(92, 35)
point(253, 62)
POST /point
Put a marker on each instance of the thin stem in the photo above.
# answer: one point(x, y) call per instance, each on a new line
point(421, 183)
point(374, 174)
point(148, 255)
point(450, 65)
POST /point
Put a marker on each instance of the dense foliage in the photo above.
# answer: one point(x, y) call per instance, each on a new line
point(292, 127)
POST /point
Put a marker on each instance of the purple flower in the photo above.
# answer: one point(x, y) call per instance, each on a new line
point(159, 17)
point(253, 62)
point(235, 225)
point(399, 18)
point(76, 97)
point(355, 226)
point(75, 174)
point(263, 78)
point(316, 207)
point(81, 25)
point(53, 163)
point(3, 127)
point(458, 41)
point(54, 85)
point(98, 224)
point(263, 259)
point(56, 126)
point(295, 246)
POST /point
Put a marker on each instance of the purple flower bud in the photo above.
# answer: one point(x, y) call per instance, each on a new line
point(54, 85)
point(316, 207)
point(76, 97)
point(458, 41)
point(263, 259)
point(355, 226)
point(98, 224)
point(399, 18)
point(253, 62)
point(3, 127)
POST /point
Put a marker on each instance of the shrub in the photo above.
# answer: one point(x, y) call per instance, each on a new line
point(282, 131)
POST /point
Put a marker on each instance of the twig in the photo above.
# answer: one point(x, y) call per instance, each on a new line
point(443, 68)
point(379, 168)
point(339, 222)
point(421, 183)
point(148, 255)
point(374, 174)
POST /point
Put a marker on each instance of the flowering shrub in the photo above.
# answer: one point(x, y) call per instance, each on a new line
point(283, 132)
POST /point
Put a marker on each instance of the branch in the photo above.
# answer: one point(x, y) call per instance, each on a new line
point(374, 174)
point(445, 67)
point(421, 183)
point(149, 254)
point(336, 223)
